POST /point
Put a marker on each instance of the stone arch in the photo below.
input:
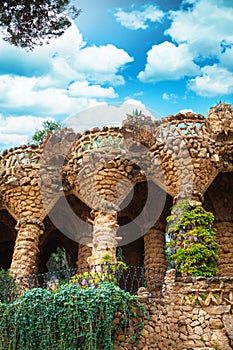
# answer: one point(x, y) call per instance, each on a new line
point(6, 253)
point(7, 238)
point(226, 140)
point(63, 213)
point(218, 200)
point(51, 241)
point(133, 252)
point(66, 233)
point(149, 232)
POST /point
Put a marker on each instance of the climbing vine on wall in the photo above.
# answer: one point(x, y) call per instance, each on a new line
point(70, 318)
point(192, 244)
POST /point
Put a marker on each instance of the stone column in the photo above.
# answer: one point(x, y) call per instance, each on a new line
point(26, 250)
point(225, 241)
point(219, 200)
point(155, 258)
point(154, 248)
point(104, 241)
point(84, 252)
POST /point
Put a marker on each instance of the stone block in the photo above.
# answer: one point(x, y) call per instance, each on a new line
point(228, 324)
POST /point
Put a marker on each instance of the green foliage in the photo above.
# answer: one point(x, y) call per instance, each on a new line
point(136, 113)
point(59, 260)
point(30, 23)
point(107, 272)
point(120, 255)
point(107, 258)
point(49, 127)
point(4, 274)
point(192, 245)
point(70, 318)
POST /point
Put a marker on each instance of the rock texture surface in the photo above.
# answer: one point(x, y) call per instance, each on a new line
point(192, 314)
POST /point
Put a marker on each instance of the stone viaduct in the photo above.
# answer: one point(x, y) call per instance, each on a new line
point(113, 179)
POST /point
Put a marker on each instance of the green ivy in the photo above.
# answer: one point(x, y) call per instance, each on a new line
point(70, 318)
point(192, 245)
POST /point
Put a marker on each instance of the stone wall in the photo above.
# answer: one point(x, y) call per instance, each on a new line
point(181, 154)
point(193, 314)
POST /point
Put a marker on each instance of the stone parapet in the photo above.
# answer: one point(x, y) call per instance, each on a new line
point(194, 314)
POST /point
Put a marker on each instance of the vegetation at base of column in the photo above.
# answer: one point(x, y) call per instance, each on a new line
point(106, 271)
point(71, 318)
point(192, 242)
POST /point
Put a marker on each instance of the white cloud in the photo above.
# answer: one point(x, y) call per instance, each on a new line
point(28, 124)
point(214, 81)
point(38, 62)
point(66, 59)
point(58, 79)
point(226, 58)
point(12, 140)
point(42, 76)
point(167, 61)
point(24, 94)
point(206, 29)
point(84, 89)
point(169, 97)
point(99, 64)
point(102, 63)
point(203, 27)
point(184, 111)
point(105, 114)
point(15, 131)
point(138, 19)
point(136, 104)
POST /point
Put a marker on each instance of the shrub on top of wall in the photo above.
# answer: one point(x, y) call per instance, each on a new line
point(192, 244)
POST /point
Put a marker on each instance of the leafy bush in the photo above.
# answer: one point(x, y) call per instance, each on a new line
point(70, 318)
point(192, 245)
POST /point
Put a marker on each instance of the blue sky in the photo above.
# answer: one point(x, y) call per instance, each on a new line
point(164, 55)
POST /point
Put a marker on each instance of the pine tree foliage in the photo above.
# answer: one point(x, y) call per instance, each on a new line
point(28, 23)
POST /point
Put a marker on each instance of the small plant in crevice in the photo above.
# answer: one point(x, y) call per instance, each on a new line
point(136, 113)
point(192, 240)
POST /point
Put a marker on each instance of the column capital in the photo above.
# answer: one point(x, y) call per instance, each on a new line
point(22, 222)
point(104, 211)
point(194, 201)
